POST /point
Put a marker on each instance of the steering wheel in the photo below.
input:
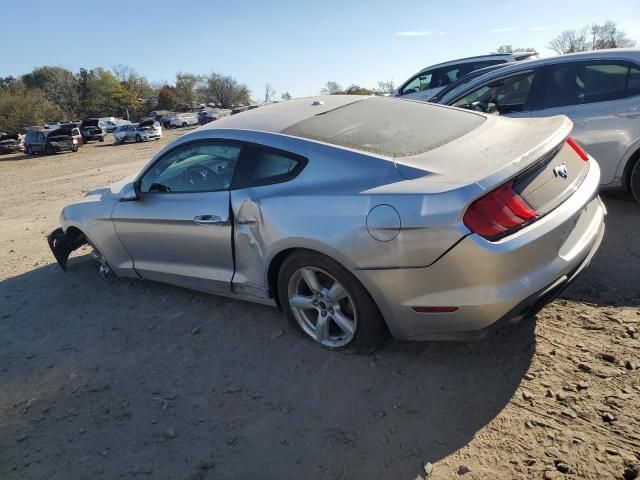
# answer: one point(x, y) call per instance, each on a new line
point(199, 174)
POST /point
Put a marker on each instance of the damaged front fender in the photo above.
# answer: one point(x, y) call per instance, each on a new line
point(62, 244)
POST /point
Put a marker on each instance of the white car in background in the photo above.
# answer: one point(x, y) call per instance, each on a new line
point(183, 120)
point(430, 80)
point(138, 132)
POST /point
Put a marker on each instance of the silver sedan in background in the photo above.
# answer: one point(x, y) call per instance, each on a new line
point(357, 216)
point(598, 90)
point(138, 132)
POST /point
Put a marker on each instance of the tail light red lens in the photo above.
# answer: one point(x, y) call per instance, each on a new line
point(498, 213)
point(578, 149)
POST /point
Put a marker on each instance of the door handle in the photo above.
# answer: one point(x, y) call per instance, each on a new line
point(246, 221)
point(208, 220)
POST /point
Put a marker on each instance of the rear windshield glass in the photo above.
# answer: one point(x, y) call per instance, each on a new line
point(387, 126)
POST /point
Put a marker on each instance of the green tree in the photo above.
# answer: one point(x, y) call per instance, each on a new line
point(357, 90)
point(59, 84)
point(106, 96)
point(167, 98)
point(22, 107)
point(286, 96)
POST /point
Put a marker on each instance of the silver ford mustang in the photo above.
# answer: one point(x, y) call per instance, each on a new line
point(357, 216)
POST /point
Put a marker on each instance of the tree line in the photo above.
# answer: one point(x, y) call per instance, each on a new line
point(53, 93)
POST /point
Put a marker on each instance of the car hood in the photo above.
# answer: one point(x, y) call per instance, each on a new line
point(9, 141)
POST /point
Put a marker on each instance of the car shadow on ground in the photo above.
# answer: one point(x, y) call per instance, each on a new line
point(608, 279)
point(105, 377)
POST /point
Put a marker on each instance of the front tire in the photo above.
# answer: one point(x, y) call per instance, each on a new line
point(138, 139)
point(634, 181)
point(328, 303)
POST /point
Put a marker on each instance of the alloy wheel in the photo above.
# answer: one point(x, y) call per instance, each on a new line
point(322, 306)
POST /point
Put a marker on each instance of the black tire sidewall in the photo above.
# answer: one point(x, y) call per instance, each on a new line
point(634, 181)
point(371, 330)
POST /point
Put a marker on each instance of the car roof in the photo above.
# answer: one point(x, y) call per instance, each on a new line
point(382, 126)
point(520, 55)
point(276, 117)
point(611, 54)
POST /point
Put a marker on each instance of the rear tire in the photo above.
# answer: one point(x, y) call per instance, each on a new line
point(74, 148)
point(184, 124)
point(634, 181)
point(28, 151)
point(48, 150)
point(101, 139)
point(366, 329)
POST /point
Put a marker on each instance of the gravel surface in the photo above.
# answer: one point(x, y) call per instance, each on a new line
point(118, 378)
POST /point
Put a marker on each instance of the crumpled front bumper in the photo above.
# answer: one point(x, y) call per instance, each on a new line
point(62, 244)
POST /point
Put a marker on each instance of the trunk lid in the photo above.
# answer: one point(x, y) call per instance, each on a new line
point(531, 153)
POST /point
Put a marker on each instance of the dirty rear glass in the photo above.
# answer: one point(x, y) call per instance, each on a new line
point(387, 126)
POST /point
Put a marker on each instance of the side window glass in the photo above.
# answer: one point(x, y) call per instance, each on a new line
point(418, 83)
point(264, 167)
point(270, 165)
point(507, 95)
point(603, 82)
point(444, 76)
point(633, 83)
point(577, 84)
point(195, 167)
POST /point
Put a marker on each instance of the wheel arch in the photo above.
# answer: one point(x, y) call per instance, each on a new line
point(277, 260)
point(631, 162)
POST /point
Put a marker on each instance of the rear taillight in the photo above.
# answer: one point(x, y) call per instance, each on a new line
point(578, 149)
point(499, 213)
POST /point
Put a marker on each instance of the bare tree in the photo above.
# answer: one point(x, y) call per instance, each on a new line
point(385, 86)
point(286, 96)
point(608, 35)
point(269, 93)
point(122, 72)
point(225, 91)
point(331, 88)
point(570, 41)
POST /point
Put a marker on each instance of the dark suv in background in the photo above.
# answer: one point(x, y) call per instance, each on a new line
point(49, 141)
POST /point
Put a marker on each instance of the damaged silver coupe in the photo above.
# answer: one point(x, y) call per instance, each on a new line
point(357, 216)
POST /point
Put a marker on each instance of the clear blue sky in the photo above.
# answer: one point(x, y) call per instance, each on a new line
point(296, 46)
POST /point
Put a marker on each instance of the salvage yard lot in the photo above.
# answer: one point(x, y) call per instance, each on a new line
point(118, 378)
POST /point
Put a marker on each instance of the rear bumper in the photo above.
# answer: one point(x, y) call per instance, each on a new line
point(491, 281)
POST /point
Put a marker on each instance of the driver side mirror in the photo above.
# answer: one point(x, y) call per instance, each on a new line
point(130, 192)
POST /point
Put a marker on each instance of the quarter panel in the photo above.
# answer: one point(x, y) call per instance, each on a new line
point(92, 216)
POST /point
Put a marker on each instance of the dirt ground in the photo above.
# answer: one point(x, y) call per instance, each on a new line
point(117, 378)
